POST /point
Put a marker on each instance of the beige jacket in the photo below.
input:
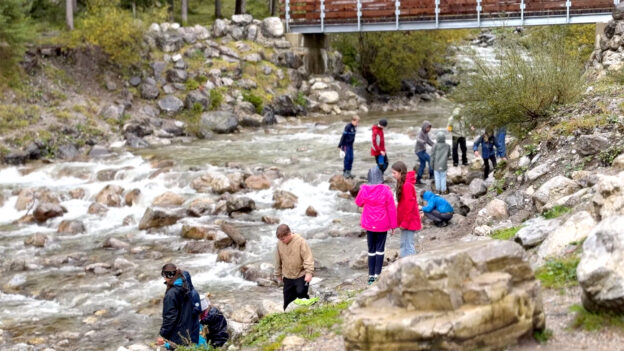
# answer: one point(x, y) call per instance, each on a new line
point(293, 260)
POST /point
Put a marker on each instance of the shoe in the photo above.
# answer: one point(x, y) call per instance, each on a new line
point(455, 164)
point(371, 280)
point(347, 174)
point(438, 224)
point(444, 224)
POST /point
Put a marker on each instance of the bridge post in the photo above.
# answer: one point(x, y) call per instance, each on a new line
point(397, 12)
point(316, 45)
point(322, 15)
point(359, 14)
point(287, 15)
point(522, 7)
point(479, 12)
point(568, 5)
point(437, 13)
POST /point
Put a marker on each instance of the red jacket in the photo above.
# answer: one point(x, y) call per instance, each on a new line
point(408, 216)
point(378, 141)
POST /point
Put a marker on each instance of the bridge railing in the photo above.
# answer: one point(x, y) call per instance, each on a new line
point(309, 12)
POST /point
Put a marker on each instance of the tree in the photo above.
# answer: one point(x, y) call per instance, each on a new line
point(239, 8)
point(218, 13)
point(15, 31)
point(272, 7)
point(69, 14)
point(184, 12)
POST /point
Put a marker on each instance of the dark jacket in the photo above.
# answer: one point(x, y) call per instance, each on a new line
point(180, 322)
point(435, 202)
point(423, 138)
point(379, 144)
point(348, 136)
point(193, 293)
point(217, 327)
point(487, 147)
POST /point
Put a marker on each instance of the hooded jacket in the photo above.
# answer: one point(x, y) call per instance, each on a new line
point(217, 327)
point(348, 136)
point(487, 147)
point(379, 213)
point(180, 321)
point(435, 202)
point(423, 138)
point(440, 153)
point(379, 144)
point(457, 124)
point(407, 210)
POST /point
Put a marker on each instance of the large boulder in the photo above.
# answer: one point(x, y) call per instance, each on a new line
point(257, 182)
point(618, 163)
point(535, 231)
point(477, 187)
point(587, 145)
point(168, 199)
point(217, 183)
point(554, 189)
point(284, 200)
point(156, 218)
point(609, 198)
point(479, 294)
point(497, 209)
point(36, 240)
point(170, 105)
point(219, 122)
point(272, 27)
point(46, 210)
point(110, 196)
point(260, 272)
point(601, 269)
point(234, 234)
point(574, 230)
point(340, 183)
point(284, 105)
point(240, 204)
point(71, 227)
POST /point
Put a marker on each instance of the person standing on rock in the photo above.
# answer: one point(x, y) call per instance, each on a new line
point(346, 145)
point(379, 216)
point(488, 143)
point(438, 209)
point(408, 216)
point(421, 151)
point(378, 150)
point(180, 323)
point(294, 264)
point(457, 127)
point(439, 162)
point(501, 149)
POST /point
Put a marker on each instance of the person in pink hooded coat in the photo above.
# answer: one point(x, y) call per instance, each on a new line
point(379, 216)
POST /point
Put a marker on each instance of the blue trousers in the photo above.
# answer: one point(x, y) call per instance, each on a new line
point(376, 247)
point(501, 149)
point(424, 158)
point(348, 159)
point(407, 243)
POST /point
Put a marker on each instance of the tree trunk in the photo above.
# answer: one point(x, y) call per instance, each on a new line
point(272, 7)
point(239, 8)
point(218, 9)
point(184, 12)
point(69, 14)
point(75, 6)
point(171, 19)
point(134, 9)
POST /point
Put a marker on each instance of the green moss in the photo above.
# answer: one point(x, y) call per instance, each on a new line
point(306, 322)
point(255, 100)
point(542, 336)
point(505, 234)
point(591, 321)
point(301, 100)
point(216, 98)
point(556, 211)
point(558, 273)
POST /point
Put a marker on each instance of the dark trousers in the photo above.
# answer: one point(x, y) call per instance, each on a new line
point(424, 159)
point(382, 162)
point(486, 169)
point(348, 159)
point(438, 217)
point(295, 289)
point(376, 247)
point(461, 142)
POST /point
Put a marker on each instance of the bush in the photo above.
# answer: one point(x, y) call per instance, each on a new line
point(111, 28)
point(525, 88)
point(216, 99)
point(255, 100)
point(542, 336)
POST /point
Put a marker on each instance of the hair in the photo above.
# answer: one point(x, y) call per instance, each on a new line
point(383, 122)
point(172, 267)
point(401, 168)
point(355, 118)
point(282, 231)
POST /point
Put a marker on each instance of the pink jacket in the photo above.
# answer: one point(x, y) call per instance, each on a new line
point(379, 213)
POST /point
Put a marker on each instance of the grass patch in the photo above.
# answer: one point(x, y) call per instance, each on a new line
point(306, 322)
point(505, 234)
point(216, 98)
point(558, 273)
point(585, 124)
point(591, 321)
point(606, 157)
point(556, 211)
point(542, 336)
point(255, 100)
point(196, 348)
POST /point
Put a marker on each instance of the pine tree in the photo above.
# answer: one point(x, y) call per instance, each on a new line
point(15, 31)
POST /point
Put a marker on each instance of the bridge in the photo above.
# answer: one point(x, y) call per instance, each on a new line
point(343, 16)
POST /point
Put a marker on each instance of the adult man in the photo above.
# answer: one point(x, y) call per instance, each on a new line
point(378, 150)
point(457, 127)
point(346, 145)
point(294, 264)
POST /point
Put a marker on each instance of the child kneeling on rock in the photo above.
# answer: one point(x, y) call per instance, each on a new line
point(213, 320)
point(438, 209)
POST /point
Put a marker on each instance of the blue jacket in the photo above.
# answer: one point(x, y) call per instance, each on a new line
point(180, 321)
point(487, 147)
point(435, 202)
point(348, 136)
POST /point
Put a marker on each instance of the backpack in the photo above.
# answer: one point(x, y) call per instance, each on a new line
point(195, 299)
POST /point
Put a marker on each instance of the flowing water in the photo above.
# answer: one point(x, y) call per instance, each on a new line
point(47, 293)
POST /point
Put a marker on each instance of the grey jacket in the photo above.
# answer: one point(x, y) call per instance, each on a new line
point(458, 125)
point(440, 153)
point(423, 138)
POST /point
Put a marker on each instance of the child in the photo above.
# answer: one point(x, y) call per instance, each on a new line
point(378, 217)
point(421, 151)
point(438, 209)
point(216, 324)
point(378, 150)
point(439, 158)
point(408, 217)
point(346, 145)
point(488, 143)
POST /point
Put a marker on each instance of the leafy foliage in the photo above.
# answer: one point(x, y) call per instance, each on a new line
point(255, 100)
point(542, 336)
point(558, 273)
point(531, 80)
point(556, 211)
point(15, 31)
point(113, 29)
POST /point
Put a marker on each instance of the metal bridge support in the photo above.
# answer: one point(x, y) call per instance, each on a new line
point(316, 59)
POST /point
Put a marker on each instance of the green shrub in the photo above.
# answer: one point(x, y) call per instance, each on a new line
point(255, 100)
point(216, 99)
point(191, 84)
point(505, 234)
point(301, 100)
point(542, 336)
point(558, 273)
point(607, 156)
point(111, 28)
point(525, 88)
point(556, 211)
point(591, 321)
point(15, 30)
